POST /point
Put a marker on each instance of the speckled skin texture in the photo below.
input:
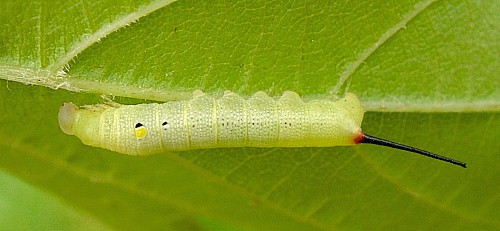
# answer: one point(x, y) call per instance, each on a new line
point(206, 122)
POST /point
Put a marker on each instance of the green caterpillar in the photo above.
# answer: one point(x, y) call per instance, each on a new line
point(229, 121)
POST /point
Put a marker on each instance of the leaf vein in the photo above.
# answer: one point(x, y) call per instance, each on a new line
point(363, 56)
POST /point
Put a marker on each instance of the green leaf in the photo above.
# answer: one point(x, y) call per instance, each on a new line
point(426, 71)
point(26, 208)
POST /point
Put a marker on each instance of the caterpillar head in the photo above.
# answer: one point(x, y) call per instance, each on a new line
point(83, 123)
point(67, 116)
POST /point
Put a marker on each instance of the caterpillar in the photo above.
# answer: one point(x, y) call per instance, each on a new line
point(229, 121)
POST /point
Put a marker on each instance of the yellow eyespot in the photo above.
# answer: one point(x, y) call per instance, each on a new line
point(140, 131)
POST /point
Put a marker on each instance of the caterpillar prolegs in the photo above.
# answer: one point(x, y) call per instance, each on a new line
point(229, 121)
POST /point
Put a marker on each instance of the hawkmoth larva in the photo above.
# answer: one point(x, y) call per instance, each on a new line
point(229, 121)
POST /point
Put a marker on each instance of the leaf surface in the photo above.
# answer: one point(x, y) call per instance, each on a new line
point(425, 70)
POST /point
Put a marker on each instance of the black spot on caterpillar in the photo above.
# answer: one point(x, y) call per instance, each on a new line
point(229, 121)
